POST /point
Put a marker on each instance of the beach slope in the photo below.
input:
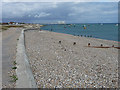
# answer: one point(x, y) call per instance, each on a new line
point(62, 60)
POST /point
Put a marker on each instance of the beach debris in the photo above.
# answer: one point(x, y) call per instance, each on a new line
point(74, 43)
point(88, 44)
point(65, 50)
point(90, 35)
point(60, 42)
point(117, 47)
point(112, 45)
point(101, 45)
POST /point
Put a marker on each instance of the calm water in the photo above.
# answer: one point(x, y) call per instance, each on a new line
point(105, 31)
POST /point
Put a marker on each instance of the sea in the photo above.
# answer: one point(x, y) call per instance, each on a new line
point(108, 31)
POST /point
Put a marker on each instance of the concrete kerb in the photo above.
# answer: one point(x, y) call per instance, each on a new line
point(23, 71)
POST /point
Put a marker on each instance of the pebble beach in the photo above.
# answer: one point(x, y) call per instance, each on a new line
point(65, 61)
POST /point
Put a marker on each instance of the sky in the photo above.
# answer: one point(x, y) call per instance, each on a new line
point(60, 0)
point(52, 12)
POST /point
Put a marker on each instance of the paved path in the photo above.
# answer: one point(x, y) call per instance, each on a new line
point(9, 41)
point(0, 60)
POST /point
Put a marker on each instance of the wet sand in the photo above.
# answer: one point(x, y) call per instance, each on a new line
point(62, 60)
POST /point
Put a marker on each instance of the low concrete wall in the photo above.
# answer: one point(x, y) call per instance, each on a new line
point(23, 71)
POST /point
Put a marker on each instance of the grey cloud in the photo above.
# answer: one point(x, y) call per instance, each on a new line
point(69, 12)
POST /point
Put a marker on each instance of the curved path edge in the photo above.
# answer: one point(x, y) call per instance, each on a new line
point(23, 71)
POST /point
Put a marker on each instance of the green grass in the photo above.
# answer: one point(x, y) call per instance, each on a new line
point(14, 67)
point(14, 62)
point(6, 27)
point(14, 78)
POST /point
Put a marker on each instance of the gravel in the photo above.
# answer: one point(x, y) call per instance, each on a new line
point(64, 61)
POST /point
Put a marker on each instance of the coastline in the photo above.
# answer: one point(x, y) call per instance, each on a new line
point(87, 37)
point(59, 60)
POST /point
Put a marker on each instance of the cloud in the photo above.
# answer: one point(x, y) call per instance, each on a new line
point(13, 10)
point(42, 14)
point(97, 12)
point(60, 0)
point(61, 22)
point(61, 11)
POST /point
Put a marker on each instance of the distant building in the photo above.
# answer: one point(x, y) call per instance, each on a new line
point(13, 23)
point(4, 23)
point(61, 22)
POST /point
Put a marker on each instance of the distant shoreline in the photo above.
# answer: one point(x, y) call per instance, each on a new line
point(99, 31)
point(86, 37)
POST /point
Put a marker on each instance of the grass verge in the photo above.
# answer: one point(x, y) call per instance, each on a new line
point(6, 27)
